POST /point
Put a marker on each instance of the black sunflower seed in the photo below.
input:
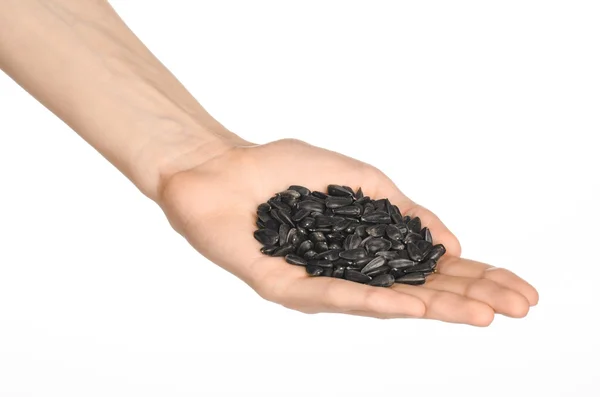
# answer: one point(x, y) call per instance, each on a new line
point(284, 250)
point(284, 229)
point(377, 230)
point(335, 246)
point(281, 206)
point(398, 245)
point(403, 228)
point(388, 254)
point(310, 254)
point(402, 254)
point(359, 194)
point(314, 199)
point(314, 270)
point(312, 206)
point(378, 244)
point(351, 228)
point(426, 233)
point(412, 279)
point(424, 246)
point(352, 242)
point(343, 262)
point(414, 224)
point(304, 247)
point(300, 189)
point(366, 240)
point(351, 210)
point(266, 236)
point(396, 272)
point(295, 238)
point(389, 208)
point(320, 262)
point(380, 205)
point(280, 216)
point(360, 263)
point(264, 207)
point(412, 237)
point(368, 208)
point(380, 270)
point(337, 190)
point(353, 254)
point(295, 260)
point(335, 236)
point(327, 272)
point(427, 266)
point(303, 232)
point(436, 252)
point(300, 214)
point(264, 216)
point(269, 249)
point(330, 255)
point(260, 224)
point(348, 188)
point(324, 221)
point(341, 226)
point(320, 195)
point(338, 272)
point(361, 231)
point(383, 280)
point(321, 246)
point(363, 200)
point(400, 263)
point(353, 267)
point(288, 195)
point(328, 212)
point(376, 217)
point(414, 252)
point(337, 202)
point(317, 237)
point(355, 276)
point(375, 263)
point(396, 218)
point(307, 222)
point(393, 232)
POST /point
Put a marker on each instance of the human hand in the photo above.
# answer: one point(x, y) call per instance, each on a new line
point(213, 205)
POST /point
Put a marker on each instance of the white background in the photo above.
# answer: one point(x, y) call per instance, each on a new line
point(488, 113)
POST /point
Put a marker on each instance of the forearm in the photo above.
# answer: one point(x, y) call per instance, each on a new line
point(81, 61)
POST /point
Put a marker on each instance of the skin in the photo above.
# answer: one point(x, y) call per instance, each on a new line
point(81, 61)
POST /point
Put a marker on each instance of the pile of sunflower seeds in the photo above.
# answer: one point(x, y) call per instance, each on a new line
point(345, 234)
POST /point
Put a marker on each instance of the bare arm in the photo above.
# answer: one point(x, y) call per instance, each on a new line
point(80, 60)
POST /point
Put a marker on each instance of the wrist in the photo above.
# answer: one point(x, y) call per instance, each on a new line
point(175, 146)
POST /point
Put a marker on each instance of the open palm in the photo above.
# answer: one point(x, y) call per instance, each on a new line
point(214, 205)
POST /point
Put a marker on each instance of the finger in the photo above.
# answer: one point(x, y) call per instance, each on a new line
point(459, 267)
point(449, 307)
point(337, 295)
point(502, 300)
